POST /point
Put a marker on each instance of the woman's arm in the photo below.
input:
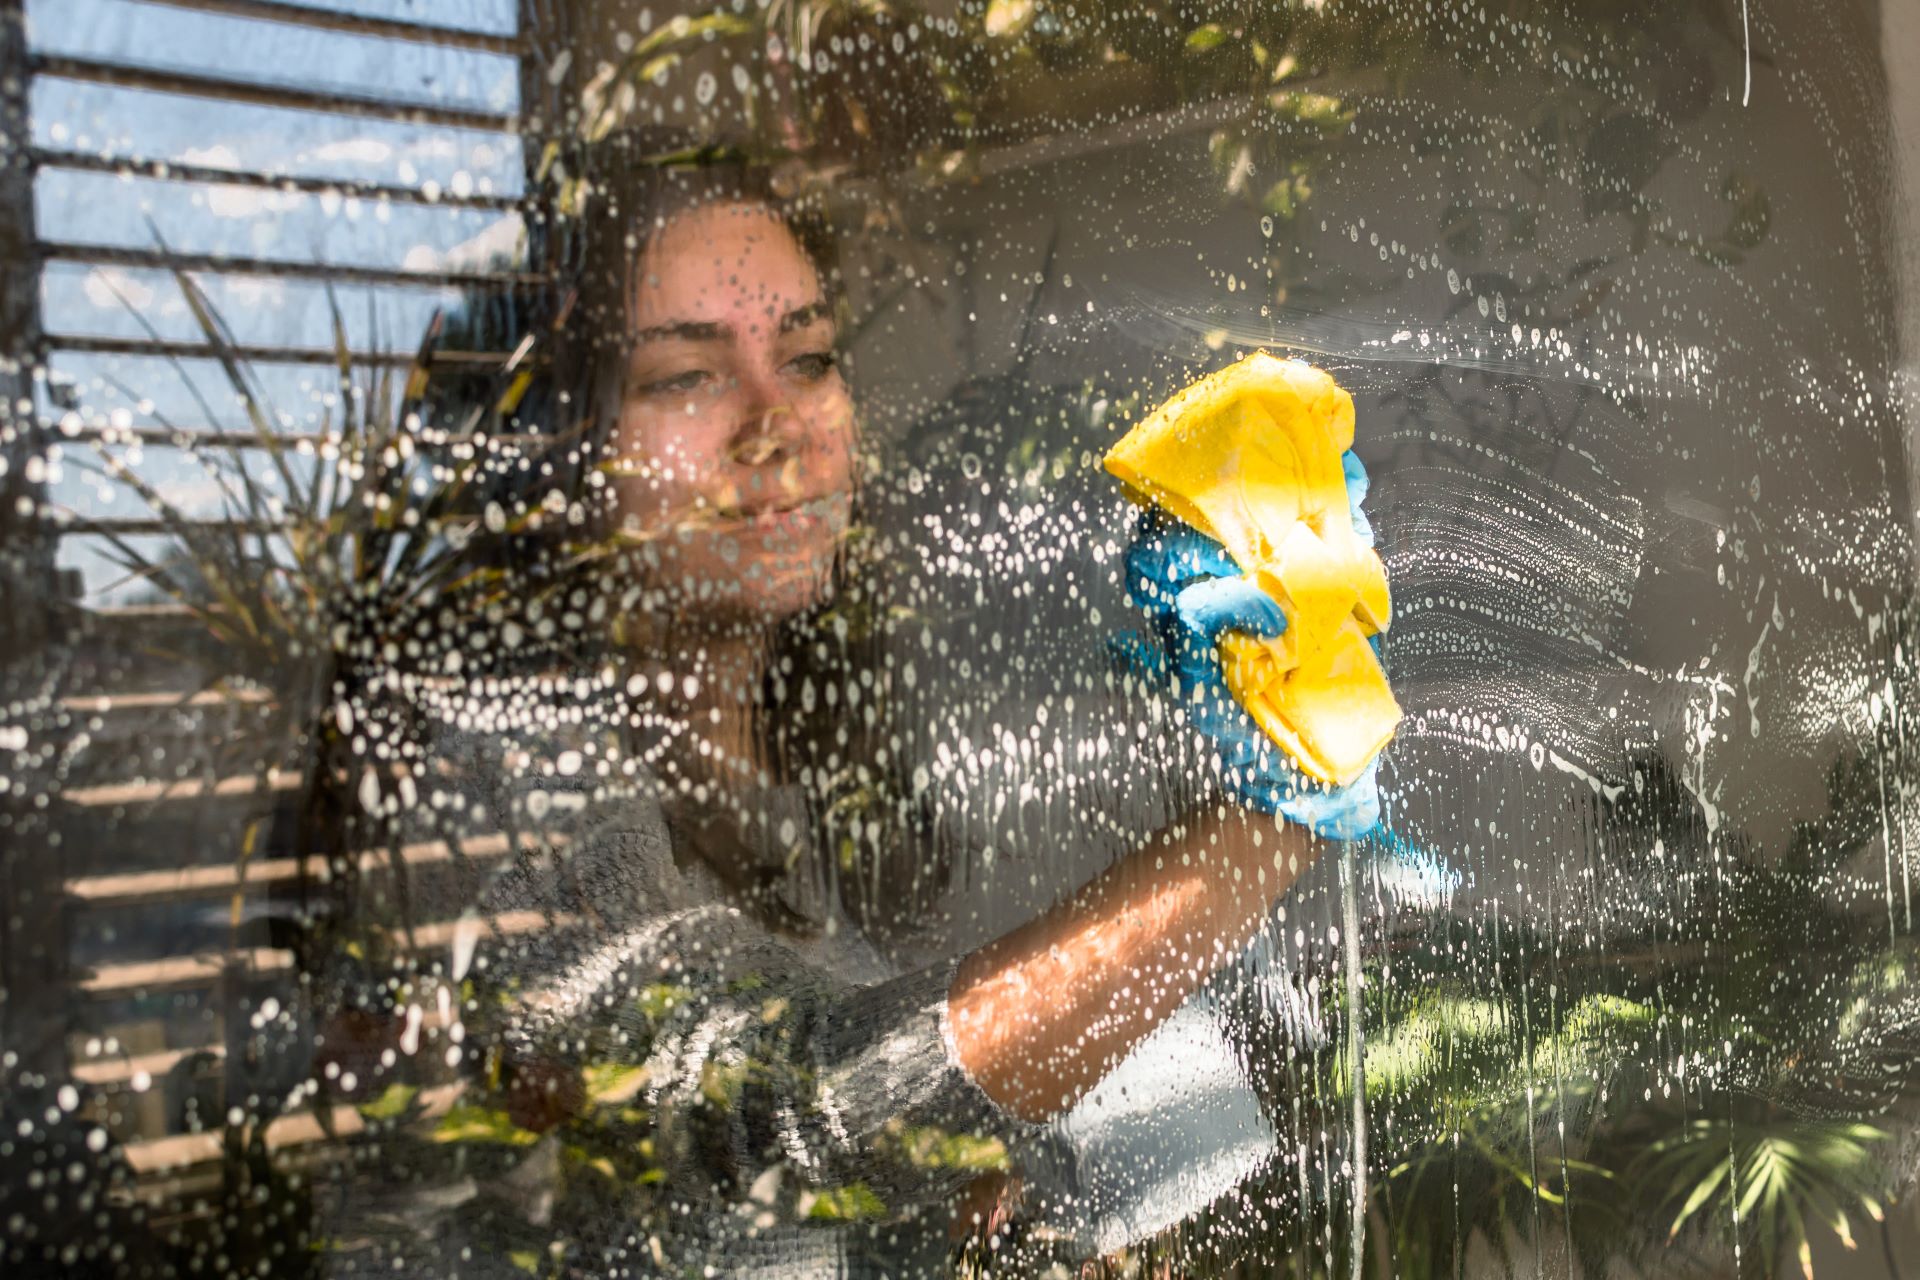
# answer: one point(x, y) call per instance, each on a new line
point(1039, 1016)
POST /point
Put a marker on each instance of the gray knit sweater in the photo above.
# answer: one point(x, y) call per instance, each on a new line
point(804, 1107)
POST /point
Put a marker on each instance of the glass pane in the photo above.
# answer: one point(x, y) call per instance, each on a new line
point(112, 210)
point(176, 38)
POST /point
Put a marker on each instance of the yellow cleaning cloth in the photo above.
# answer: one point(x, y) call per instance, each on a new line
point(1250, 456)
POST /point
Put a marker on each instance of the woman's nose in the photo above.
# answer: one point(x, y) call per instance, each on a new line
point(768, 429)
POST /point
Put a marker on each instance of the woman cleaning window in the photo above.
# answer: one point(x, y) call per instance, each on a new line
point(733, 846)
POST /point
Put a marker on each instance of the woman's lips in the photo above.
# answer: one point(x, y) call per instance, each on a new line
point(774, 558)
point(802, 521)
point(791, 528)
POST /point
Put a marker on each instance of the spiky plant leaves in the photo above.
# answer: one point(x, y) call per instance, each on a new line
point(1761, 1178)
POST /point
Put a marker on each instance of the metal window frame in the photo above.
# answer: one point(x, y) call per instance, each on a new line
point(34, 969)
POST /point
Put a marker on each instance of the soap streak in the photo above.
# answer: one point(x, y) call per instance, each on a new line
point(1746, 36)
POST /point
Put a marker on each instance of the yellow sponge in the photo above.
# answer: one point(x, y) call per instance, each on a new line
point(1250, 456)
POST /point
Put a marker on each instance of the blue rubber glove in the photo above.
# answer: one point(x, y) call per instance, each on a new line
point(1357, 486)
point(1193, 591)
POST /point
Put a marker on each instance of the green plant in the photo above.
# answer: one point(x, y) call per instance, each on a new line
point(1770, 1177)
point(320, 587)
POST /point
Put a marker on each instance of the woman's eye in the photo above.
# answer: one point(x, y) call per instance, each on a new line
point(677, 384)
point(812, 366)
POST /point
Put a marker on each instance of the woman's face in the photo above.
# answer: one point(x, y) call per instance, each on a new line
point(736, 432)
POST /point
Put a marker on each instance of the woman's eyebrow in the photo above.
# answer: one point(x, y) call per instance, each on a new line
point(801, 317)
point(714, 331)
point(689, 330)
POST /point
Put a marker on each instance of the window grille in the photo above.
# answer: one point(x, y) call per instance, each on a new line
point(138, 863)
